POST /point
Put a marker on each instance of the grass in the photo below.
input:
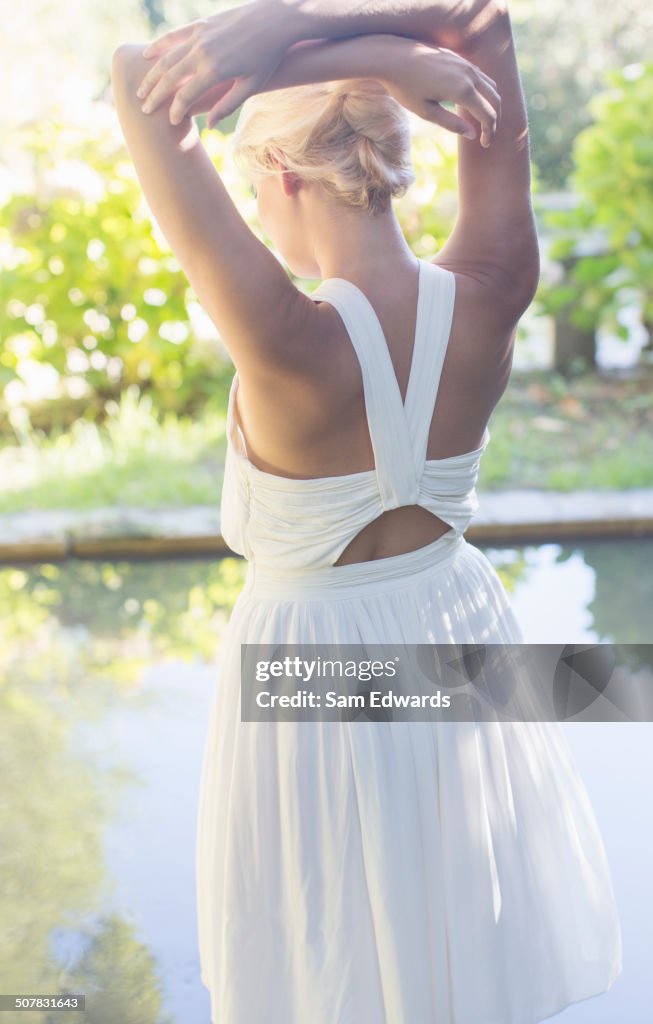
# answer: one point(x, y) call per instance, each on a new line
point(590, 433)
point(133, 459)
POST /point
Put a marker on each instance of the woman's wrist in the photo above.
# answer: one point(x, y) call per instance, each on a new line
point(329, 60)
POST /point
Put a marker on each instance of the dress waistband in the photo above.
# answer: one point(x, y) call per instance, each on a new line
point(348, 580)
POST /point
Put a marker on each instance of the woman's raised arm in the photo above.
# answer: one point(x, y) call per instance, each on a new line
point(494, 239)
point(420, 77)
point(232, 54)
point(238, 51)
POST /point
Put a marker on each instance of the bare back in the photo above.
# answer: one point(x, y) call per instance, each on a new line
point(315, 425)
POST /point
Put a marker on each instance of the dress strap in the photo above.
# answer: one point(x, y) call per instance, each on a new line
point(397, 479)
point(434, 316)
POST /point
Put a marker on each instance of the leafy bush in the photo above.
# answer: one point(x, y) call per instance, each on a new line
point(89, 288)
point(613, 179)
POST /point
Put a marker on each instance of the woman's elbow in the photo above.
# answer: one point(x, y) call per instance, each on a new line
point(126, 60)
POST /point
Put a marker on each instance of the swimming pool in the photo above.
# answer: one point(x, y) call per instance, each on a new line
point(107, 674)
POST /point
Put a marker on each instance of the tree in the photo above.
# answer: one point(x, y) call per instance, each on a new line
point(564, 50)
point(613, 179)
point(90, 286)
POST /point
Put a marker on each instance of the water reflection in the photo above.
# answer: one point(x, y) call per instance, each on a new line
point(597, 591)
point(106, 676)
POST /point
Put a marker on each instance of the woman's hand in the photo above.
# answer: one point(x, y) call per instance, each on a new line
point(214, 64)
point(422, 77)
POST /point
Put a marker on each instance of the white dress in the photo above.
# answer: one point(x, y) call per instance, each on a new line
point(361, 872)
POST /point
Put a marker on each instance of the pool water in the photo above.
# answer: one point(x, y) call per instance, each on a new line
point(107, 674)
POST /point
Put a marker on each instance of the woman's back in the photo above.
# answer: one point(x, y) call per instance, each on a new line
point(319, 428)
point(408, 496)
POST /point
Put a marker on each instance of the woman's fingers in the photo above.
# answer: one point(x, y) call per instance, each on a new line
point(489, 90)
point(162, 78)
point(486, 112)
point(188, 95)
point(235, 47)
point(486, 78)
point(172, 38)
point(440, 76)
point(447, 119)
point(474, 100)
point(209, 99)
point(242, 89)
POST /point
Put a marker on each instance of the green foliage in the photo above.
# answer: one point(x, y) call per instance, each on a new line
point(614, 171)
point(51, 816)
point(134, 458)
point(90, 289)
point(613, 179)
point(427, 211)
point(564, 50)
point(119, 976)
point(75, 643)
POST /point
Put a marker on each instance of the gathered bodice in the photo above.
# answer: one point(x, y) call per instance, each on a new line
point(295, 523)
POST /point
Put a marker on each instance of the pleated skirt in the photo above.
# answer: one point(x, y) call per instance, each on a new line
point(393, 872)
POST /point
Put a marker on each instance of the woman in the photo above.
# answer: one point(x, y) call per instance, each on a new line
point(381, 871)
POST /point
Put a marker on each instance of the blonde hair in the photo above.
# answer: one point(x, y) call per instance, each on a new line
point(351, 136)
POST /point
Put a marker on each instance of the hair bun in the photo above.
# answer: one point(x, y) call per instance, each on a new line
point(351, 136)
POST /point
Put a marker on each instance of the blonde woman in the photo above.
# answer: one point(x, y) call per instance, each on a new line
point(384, 872)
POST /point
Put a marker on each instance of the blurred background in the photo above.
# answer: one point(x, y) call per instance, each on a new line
point(112, 382)
point(113, 386)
